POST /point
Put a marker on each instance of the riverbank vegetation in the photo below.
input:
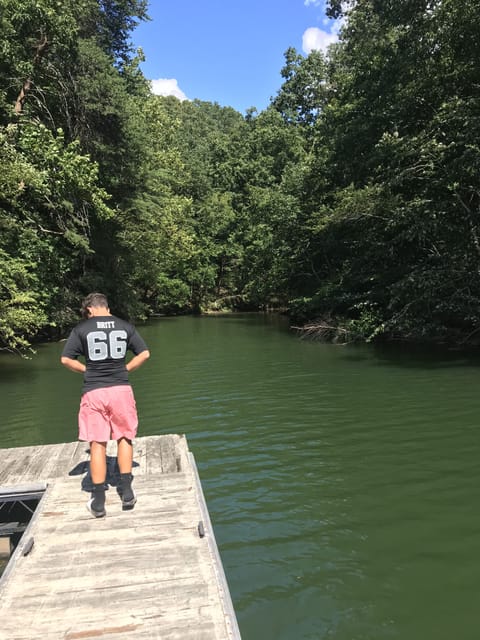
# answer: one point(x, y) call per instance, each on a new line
point(352, 201)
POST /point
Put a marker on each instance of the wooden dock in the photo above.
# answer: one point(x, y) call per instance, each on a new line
point(153, 572)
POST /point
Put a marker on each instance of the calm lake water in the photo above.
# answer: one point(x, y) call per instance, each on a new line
point(342, 482)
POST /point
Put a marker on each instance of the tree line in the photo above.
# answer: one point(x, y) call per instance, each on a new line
point(351, 202)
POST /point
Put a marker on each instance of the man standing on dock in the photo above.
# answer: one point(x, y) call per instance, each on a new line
point(107, 408)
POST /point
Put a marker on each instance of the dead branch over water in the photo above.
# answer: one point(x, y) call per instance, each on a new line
point(325, 331)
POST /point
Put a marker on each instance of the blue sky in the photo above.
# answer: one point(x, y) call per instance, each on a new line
point(229, 51)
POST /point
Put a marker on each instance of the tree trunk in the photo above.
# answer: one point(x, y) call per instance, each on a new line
point(27, 85)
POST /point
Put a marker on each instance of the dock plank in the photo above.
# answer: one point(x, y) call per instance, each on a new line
point(136, 574)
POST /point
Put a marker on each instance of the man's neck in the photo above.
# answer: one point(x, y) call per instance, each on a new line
point(99, 311)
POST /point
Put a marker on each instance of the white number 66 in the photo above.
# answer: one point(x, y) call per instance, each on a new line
point(100, 349)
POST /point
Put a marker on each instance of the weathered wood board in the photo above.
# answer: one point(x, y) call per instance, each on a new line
point(144, 573)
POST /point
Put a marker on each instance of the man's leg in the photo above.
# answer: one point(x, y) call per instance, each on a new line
point(125, 462)
point(98, 472)
point(125, 455)
point(98, 462)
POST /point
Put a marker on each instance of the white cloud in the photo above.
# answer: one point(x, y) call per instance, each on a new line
point(314, 38)
point(315, 3)
point(167, 87)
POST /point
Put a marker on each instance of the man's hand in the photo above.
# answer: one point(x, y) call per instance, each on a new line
point(73, 365)
point(138, 360)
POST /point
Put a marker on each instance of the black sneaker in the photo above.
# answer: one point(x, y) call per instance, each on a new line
point(129, 500)
point(126, 492)
point(96, 514)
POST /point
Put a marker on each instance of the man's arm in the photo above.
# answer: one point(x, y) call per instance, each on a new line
point(138, 360)
point(73, 365)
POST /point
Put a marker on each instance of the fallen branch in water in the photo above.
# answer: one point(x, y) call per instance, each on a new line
point(321, 330)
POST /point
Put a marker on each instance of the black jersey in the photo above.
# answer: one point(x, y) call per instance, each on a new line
point(104, 342)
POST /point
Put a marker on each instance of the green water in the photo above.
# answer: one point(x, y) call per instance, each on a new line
point(342, 482)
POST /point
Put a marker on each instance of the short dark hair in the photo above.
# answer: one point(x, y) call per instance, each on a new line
point(93, 300)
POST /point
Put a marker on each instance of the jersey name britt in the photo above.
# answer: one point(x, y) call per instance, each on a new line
point(109, 324)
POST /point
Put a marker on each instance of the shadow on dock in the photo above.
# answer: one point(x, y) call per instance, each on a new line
point(113, 473)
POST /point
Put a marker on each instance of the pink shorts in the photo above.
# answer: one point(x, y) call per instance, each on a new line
point(109, 413)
